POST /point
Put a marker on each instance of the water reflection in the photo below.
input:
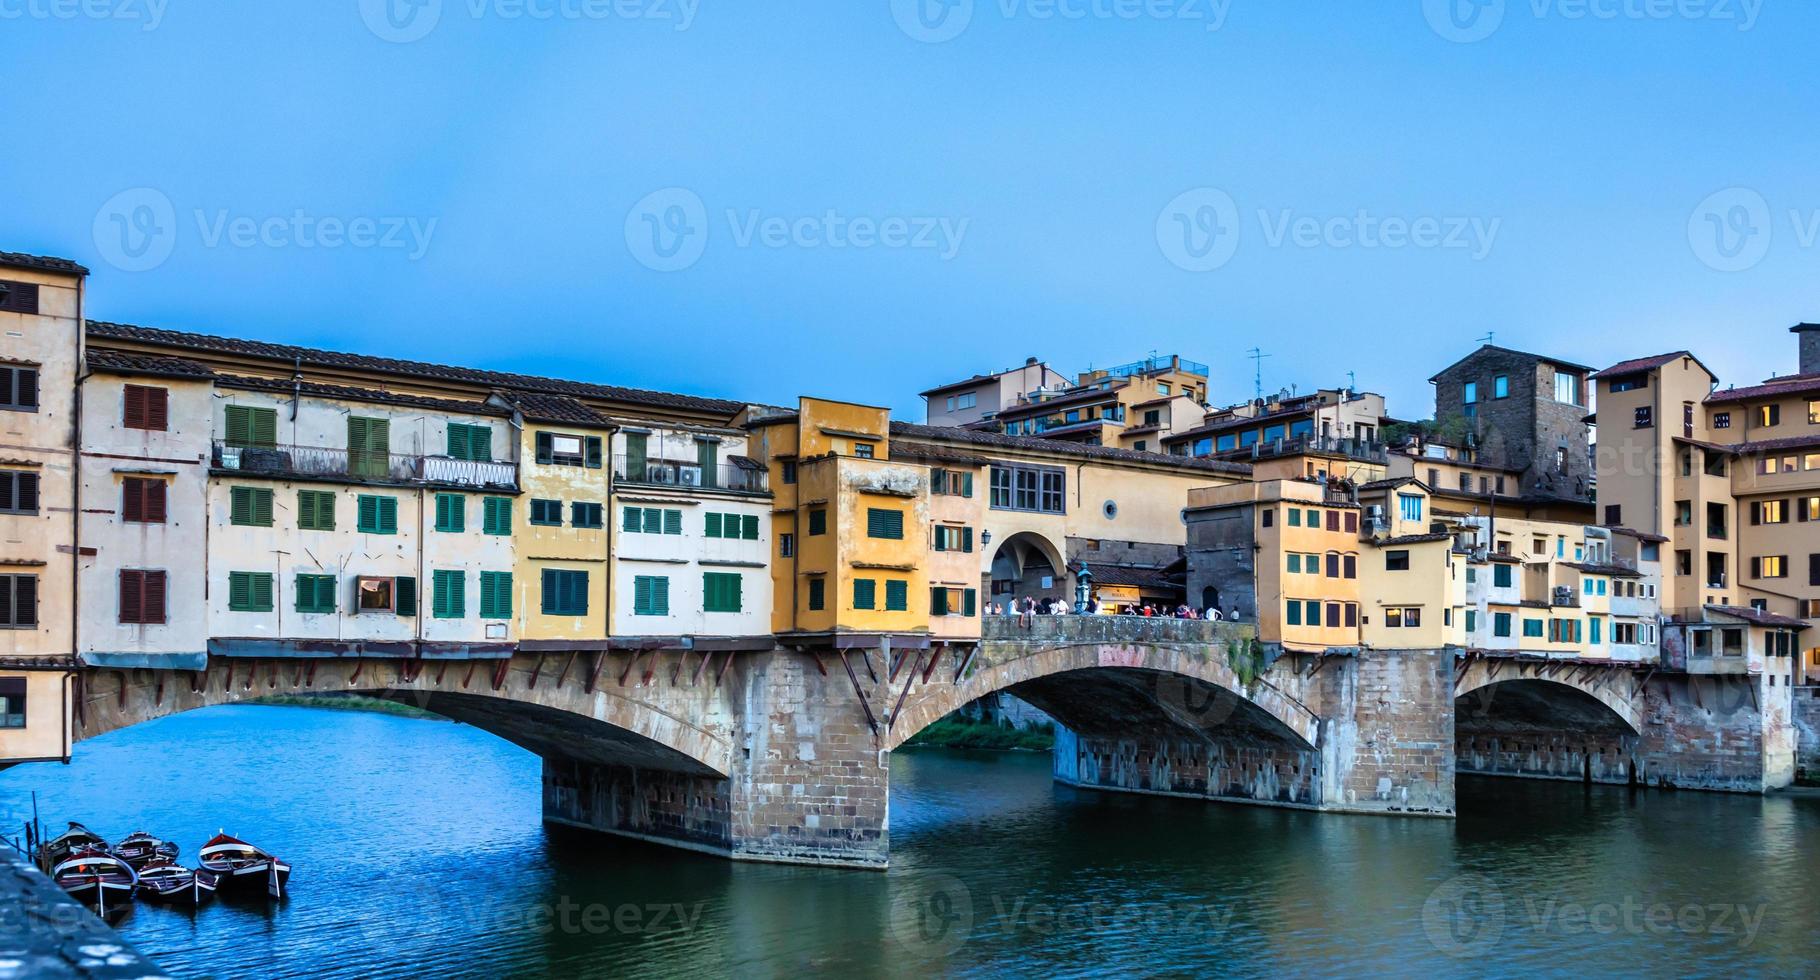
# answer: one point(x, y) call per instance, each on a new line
point(420, 851)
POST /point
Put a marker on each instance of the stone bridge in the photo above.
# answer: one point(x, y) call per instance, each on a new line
point(782, 753)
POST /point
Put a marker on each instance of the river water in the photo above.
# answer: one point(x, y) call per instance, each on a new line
point(419, 852)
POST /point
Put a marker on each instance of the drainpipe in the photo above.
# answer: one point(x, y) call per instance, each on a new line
point(76, 496)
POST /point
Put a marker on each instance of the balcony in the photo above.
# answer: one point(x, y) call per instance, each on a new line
point(328, 463)
point(1365, 450)
point(731, 477)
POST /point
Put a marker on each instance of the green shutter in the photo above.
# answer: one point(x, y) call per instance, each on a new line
point(897, 595)
point(450, 600)
point(884, 523)
point(938, 601)
point(495, 595)
point(654, 520)
point(817, 588)
point(713, 529)
point(651, 596)
point(636, 467)
point(966, 484)
point(480, 443)
point(749, 527)
point(632, 523)
point(971, 598)
point(496, 517)
point(864, 593)
point(315, 593)
point(248, 426)
point(594, 452)
point(672, 522)
point(641, 595)
point(720, 592)
point(250, 591)
point(458, 441)
point(316, 510)
point(546, 447)
point(818, 521)
point(706, 454)
point(451, 512)
point(404, 595)
point(941, 538)
point(967, 540)
point(660, 596)
point(369, 447)
point(250, 506)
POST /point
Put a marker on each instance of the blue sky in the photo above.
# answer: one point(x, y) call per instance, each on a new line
point(861, 198)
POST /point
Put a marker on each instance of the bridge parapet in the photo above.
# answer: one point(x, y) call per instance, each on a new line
point(1060, 630)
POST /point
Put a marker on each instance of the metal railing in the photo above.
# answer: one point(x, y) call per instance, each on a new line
point(1360, 449)
point(329, 463)
point(669, 473)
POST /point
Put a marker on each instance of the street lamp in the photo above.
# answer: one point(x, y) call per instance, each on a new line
point(1083, 582)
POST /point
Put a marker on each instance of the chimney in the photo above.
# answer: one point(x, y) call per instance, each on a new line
point(1810, 346)
point(1030, 362)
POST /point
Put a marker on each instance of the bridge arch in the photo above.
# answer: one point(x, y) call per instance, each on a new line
point(1020, 560)
point(555, 705)
point(1192, 689)
point(1495, 691)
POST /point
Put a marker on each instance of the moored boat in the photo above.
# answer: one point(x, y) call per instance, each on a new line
point(241, 867)
point(97, 879)
point(166, 882)
point(77, 838)
point(141, 847)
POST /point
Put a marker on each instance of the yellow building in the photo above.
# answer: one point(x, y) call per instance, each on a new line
point(560, 571)
point(1283, 551)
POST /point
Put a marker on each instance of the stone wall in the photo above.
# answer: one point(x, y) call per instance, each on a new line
point(1805, 716)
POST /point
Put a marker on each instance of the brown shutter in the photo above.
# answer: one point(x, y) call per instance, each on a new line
point(154, 501)
point(135, 407)
point(157, 409)
point(132, 500)
point(132, 596)
point(152, 601)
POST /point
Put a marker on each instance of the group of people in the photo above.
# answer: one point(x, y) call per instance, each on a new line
point(1030, 607)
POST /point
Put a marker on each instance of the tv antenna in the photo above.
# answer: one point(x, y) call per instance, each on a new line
point(1257, 355)
point(1490, 337)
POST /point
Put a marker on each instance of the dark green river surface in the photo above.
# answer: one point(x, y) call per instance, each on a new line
point(419, 852)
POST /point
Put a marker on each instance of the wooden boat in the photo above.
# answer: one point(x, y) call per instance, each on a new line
point(241, 867)
point(166, 882)
point(141, 847)
point(97, 879)
point(78, 838)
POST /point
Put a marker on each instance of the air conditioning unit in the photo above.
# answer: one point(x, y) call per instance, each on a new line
point(1564, 596)
point(660, 474)
point(690, 478)
point(230, 459)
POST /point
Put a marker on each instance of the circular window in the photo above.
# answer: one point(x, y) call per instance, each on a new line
point(1112, 509)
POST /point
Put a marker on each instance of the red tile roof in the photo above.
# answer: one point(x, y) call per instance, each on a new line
point(1798, 385)
point(1641, 364)
point(42, 263)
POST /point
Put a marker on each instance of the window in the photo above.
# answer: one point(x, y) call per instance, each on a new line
point(1292, 613)
point(864, 450)
point(1313, 615)
point(449, 600)
point(817, 593)
point(1028, 488)
point(1643, 417)
point(1162, 387)
point(18, 388)
point(249, 591)
point(1350, 566)
point(953, 602)
point(1333, 564)
point(1402, 617)
point(786, 545)
point(1500, 624)
point(369, 447)
point(732, 526)
point(884, 523)
point(1396, 561)
point(949, 538)
point(1722, 420)
point(451, 512)
point(547, 513)
point(1295, 562)
point(141, 596)
point(145, 408)
point(1715, 521)
point(377, 515)
point(865, 593)
point(1472, 621)
point(142, 500)
point(314, 593)
point(1769, 566)
point(1713, 463)
point(382, 594)
point(1501, 576)
point(316, 510)
point(1769, 415)
point(1409, 506)
point(586, 515)
point(1769, 512)
point(1567, 387)
point(1472, 392)
point(787, 471)
point(952, 483)
point(818, 521)
point(1500, 386)
point(12, 702)
point(1268, 517)
point(557, 449)
point(720, 592)
point(18, 492)
point(19, 297)
point(495, 595)
point(1295, 517)
point(565, 592)
point(250, 506)
point(471, 442)
point(496, 516)
point(897, 595)
point(1532, 628)
point(251, 427)
point(651, 520)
